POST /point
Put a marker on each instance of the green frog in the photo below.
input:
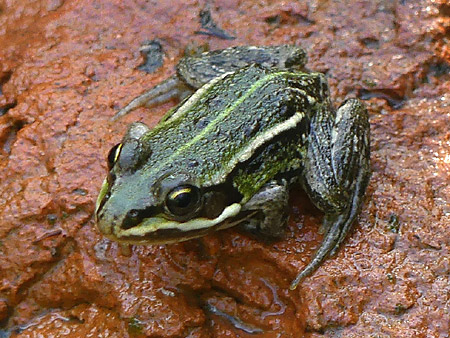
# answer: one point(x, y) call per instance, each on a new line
point(252, 122)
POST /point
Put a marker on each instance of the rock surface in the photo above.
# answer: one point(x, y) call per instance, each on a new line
point(65, 69)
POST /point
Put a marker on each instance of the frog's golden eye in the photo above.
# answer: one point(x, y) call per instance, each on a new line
point(183, 201)
point(113, 155)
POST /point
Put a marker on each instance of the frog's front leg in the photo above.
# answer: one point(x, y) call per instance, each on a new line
point(271, 207)
point(336, 173)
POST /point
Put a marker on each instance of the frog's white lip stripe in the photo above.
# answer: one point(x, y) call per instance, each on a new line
point(153, 224)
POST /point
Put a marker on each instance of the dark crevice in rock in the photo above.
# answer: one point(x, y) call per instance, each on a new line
point(8, 139)
point(4, 109)
point(371, 43)
point(288, 18)
point(4, 78)
point(437, 69)
point(392, 98)
point(59, 253)
point(444, 9)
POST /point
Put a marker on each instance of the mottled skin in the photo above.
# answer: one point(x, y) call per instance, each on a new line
point(240, 141)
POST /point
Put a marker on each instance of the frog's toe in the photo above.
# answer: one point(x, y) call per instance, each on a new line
point(329, 243)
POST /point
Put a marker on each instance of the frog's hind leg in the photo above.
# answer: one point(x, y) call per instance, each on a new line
point(165, 91)
point(336, 173)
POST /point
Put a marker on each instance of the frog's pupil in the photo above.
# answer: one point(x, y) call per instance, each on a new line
point(183, 200)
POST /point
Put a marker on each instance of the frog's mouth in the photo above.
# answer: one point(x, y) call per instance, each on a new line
point(159, 230)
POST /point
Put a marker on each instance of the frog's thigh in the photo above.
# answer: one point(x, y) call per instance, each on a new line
point(338, 157)
point(272, 200)
point(336, 174)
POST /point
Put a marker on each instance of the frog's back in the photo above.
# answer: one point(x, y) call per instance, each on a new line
point(234, 119)
point(198, 70)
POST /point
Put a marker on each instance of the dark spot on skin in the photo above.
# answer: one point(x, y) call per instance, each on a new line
point(193, 163)
point(135, 326)
point(252, 129)
point(202, 123)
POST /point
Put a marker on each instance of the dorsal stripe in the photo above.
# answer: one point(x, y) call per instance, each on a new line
point(215, 122)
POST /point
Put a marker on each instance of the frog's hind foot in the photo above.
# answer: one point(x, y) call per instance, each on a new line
point(165, 91)
point(329, 242)
point(336, 174)
point(336, 228)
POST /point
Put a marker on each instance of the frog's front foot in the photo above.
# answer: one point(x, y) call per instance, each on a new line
point(337, 171)
point(271, 203)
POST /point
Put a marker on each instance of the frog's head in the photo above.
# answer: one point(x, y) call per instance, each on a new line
point(143, 206)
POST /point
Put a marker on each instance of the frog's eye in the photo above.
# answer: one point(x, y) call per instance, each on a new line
point(113, 155)
point(183, 201)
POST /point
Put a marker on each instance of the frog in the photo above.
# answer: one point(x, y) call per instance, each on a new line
point(252, 124)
